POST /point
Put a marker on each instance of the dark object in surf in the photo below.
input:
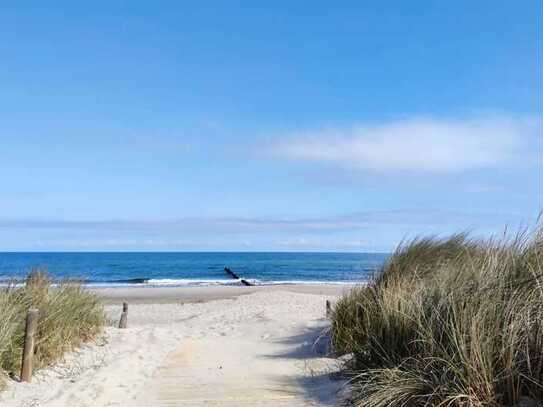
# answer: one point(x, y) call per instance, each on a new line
point(235, 276)
point(132, 281)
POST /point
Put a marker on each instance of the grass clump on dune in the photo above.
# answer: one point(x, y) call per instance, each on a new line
point(448, 322)
point(69, 316)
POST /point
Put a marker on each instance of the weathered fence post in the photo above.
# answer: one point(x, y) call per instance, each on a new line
point(28, 349)
point(328, 308)
point(359, 313)
point(124, 316)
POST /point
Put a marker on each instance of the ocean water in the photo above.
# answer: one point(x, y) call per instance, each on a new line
point(194, 269)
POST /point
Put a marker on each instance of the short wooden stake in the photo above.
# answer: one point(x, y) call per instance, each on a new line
point(28, 349)
point(124, 316)
point(359, 313)
point(328, 308)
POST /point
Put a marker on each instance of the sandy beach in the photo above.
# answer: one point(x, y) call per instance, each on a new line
point(199, 346)
point(166, 295)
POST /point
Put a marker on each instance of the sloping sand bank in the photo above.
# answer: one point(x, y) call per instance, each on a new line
point(251, 350)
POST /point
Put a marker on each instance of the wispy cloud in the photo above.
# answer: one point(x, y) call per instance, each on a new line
point(353, 221)
point(370, 231)
point(230, 225)
point(417, 145)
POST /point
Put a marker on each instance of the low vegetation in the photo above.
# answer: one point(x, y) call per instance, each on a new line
point(69, 316)
point(448, 322)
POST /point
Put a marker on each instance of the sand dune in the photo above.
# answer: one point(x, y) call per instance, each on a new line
point(250, 350)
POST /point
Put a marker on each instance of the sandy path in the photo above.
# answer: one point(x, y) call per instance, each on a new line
point(242, 371)
point(252, 350)
point(241, 376)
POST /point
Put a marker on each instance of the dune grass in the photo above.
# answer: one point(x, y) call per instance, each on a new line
point(447, 322)
point(69, 316)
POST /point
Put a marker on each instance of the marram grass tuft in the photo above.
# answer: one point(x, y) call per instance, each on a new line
point(447, 322)
point(69, 316)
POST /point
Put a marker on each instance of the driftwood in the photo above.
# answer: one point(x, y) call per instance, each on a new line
point(235, 276)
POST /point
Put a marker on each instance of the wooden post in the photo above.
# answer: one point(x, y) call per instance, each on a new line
point(328, 308)
point(28, 350)
point(124, 316)
point(359, 313)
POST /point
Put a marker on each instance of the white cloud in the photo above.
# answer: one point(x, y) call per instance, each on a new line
point(420, 145)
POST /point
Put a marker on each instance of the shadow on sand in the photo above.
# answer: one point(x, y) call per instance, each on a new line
point(319, 380)
point(313, 342)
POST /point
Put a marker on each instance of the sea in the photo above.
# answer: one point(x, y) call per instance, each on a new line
point(194, 269)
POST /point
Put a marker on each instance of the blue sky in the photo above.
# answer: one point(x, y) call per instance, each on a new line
point(280, 126)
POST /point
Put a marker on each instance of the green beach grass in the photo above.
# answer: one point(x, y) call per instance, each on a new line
point(69, 316)
point(447, 322)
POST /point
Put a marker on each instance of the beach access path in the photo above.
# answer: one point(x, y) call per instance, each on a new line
point(256, 349)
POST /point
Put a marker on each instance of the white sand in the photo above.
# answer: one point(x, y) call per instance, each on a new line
point(251, 350)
